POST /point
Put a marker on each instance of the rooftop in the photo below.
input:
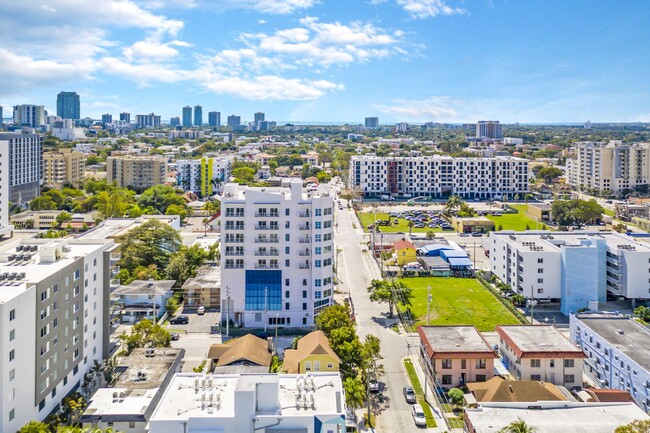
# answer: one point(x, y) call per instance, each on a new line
point(314, 343)
point(440, 340)
point(115, 227)
point(145, 287)
point(540, 240)
point(499, 390)
point(206, 276)
point(555, 417)
point(630, 338)
point(196, 395)
point(233, 191)
point(246, 349)
point(539, 340)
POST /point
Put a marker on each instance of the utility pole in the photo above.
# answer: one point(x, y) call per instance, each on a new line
point(428, 304)
point(227, 310)
point(368, 394)
point(532, 304)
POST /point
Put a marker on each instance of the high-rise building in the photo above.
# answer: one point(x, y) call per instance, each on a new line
point(439, 176)
point(29, 115)
point(1, 117)
point(5, 226)
point(234, 121)
point(136, 172)
point(198, 115)
point(214, 119)
point(125, 117)
point(68, 105)
point(147, 120)
point(613, 167)
point(187, 116)
point(175, 121)
point(107, 118)
point(489, 129)
point(52, 316)
point(259, 117)
point(204, 176)
point(63, 167)
point(372, 122)
point(277, 254)
point(25, 166)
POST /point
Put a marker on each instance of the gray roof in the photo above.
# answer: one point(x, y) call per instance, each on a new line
point(145, 287)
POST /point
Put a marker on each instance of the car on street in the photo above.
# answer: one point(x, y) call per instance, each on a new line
point(262, 334)
point(201, 310)
point(418, 415)
point(409, 394)
point(373, 386)
point(463, 235)
point(477, 234)
point(179, 320)
point(175, 336)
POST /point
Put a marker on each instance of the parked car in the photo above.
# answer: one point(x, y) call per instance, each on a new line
point(263, 335)
point(413, 266)
point(179, 320)
point(477, 234)
point(463, 235)
point(175, 336)
point(201, 310)
point(418, 415)
point(409, 394)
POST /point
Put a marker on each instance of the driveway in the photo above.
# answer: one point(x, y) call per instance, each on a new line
point(196, 347)
point(198, 323)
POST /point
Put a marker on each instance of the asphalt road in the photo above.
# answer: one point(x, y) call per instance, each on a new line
point(355, 270)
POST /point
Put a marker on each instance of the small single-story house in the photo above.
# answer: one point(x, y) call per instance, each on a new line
point(405, 252)
point(247, 354)
point(313, 353)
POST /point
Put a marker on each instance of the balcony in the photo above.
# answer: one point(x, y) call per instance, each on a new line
point(258, 266)
point(234, 240)
point(234, 267)
point(267, 241)
point(234, 253)
point(235, 215)
point(267, 253)
point(260, 227)
point(115, 283)
point(304, 265)
point(304, 214)
point(262, 214)
point(305, 253)
point(114, 257)
point(304, 240)
point(237, 227)
point(304, 227)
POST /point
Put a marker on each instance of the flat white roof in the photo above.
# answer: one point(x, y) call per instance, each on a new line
point(214, 397)
point(575, 418)
point(534, 240)
point(538, 338)
point(114, 227)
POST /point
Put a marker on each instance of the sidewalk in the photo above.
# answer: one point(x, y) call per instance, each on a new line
point(441, 426)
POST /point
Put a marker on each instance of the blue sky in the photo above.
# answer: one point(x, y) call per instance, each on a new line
point(341, 60)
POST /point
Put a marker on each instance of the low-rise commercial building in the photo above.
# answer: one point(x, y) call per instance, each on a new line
point(540, 353)
point(45, 219)
point(142, 378)
point(618, 352)
point(455, 355)
point(194, 402)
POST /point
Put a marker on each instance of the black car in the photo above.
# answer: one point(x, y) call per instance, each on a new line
point(179, 320)
point(263, 335)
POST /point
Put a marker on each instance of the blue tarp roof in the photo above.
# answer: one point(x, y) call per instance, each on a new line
point(460, 262)
point(446, 254)
point(434, 249)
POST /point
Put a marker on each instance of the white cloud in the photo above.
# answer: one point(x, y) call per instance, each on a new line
point(419, 9)
point(149, 51)
point(435, 108)
point(271, 87)
point(277, 7)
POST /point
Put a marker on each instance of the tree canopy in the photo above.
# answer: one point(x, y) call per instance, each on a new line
point(160, 197)
point(636, 426)
point(152, 243)
point(392, 292)
point(146, 334)
point(576, 212)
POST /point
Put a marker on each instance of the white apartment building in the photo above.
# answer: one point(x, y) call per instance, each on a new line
point(197, 403)
point(29, 115)
point(51, 323)
point(5, 226)
point(439, 176)
point(25, 166)
point(612, 166)
point(277, 254)
point(575, 267)
point(540, 353)
point(204, 176)
point(618, 352)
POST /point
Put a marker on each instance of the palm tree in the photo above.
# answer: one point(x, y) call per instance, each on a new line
point(518, 426)
point(355, 392)
point(410, 224)
point(453, 203)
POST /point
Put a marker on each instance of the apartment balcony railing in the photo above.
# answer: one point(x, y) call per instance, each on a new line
point(304, 266)
point(115, 283)
point(305, 253)
point(234, 266)
point(267, 253)
point(258, 266)
point(267, 214)
point(304, 240)
point(304, 214)
point(234, 253)
point(234, 241)
point(114, 257)
point(234, 215)
point(267, 241)
point(304, 227)
point(266, 227)
point(237, 227)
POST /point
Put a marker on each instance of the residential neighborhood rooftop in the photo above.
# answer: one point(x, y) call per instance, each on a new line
point(454, 339)
point(529, 341)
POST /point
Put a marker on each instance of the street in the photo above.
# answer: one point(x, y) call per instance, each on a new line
point(355, 270)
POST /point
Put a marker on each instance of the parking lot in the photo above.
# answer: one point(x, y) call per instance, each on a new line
point(198, 323)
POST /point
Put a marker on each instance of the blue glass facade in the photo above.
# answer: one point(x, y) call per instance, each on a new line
point(263, 290)
point(583, 277)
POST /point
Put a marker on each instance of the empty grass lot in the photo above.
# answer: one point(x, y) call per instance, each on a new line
point(457, 301)
point(369, 218)
point(517, 221)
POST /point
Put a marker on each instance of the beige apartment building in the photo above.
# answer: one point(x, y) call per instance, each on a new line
point(136, 172)
point(65, 166)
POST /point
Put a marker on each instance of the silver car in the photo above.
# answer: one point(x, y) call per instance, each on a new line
point(418, 415)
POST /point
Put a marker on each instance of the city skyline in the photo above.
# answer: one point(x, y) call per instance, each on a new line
point(301, 60)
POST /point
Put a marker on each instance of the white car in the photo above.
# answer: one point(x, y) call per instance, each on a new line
point(413, 266)
point(201, 310)
point(418, 415)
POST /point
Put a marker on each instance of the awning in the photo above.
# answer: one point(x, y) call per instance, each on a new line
point(460, 262)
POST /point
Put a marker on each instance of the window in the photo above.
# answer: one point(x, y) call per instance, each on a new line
point(536, 377)
point(12, 315)
point(317, 263)
point(304, 294)
point(569, 378)
point(568, 363)
point(12, 374)
point(77, 274)
point(287, 306)
point(540, 260)
point(480, 363)
point(12, 414)
point(286, 212)
point(131, 424)
point(463, 364)
point(286, 282)
point(540, 270)
point(304, 306)
point(540, 281)
point(540, 290)
point(446, 379)
point(317, 251)
point(12, 335)
point(317, 212)
point(446, 364)
point(552, 363)
point(480, 378)
point(317, 282)
point(287, 294)
point(12, 354)
point(317, 225)
point(535, 363)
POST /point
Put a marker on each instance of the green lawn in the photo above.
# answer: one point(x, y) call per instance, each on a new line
point(417, 388)
point(458, 301)
point(609, 212)
point(517, 221)
point(369, 218)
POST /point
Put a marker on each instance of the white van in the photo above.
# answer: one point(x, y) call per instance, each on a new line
point(413, 266)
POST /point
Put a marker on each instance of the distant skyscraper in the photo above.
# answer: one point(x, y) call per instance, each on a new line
point(187, 116)
point(372, 122)
point(107, 118)
point(259, 117)
point(174, 122)
point(198, 115)
point(234, 121)
point(125, 117)
point(1, 116)
point(68, 106)
point(214, 118)
point(147, 120)
point(29, 115)
point(489, 129)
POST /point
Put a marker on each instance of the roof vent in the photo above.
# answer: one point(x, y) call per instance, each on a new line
point(620, 331)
